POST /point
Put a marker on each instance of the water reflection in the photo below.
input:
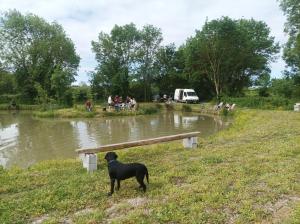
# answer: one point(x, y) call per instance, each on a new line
point(25, 140)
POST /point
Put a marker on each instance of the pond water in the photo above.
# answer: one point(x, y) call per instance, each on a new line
point(25, 140)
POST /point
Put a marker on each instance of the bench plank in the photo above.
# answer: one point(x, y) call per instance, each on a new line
point(123, 145)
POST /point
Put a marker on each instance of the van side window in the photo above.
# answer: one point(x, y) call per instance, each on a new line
point(184, 94)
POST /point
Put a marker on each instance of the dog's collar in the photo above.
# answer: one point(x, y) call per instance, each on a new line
point(111, 161)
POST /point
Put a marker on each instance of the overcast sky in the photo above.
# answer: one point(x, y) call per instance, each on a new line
point(178, 19)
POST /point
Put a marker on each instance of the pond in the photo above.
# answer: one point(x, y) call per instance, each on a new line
point(25, 140)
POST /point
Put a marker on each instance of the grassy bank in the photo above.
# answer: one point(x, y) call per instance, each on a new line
point(80, 112)
point(248, 173)
point(264, 103)
point(20, 107)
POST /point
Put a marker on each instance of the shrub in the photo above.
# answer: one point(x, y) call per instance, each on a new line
point(149, 110)
point(169, 106)
point(261, 102)
point(186, 108)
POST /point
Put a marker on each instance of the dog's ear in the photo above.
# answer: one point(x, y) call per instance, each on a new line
point(115, 155)
point(105, 157)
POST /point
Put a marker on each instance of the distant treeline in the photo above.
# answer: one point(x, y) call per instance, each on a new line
point(39, 63)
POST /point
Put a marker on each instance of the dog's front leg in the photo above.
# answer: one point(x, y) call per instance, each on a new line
point(112, 186)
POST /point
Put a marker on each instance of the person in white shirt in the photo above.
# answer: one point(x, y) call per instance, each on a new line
point(110, 102)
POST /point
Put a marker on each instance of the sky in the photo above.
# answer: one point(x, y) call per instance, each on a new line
point(178, 20)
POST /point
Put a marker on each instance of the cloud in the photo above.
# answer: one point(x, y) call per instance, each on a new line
point(178, 19)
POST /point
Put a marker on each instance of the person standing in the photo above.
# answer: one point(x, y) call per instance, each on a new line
point(110, 102)
point(88, 105)
point(133, 104)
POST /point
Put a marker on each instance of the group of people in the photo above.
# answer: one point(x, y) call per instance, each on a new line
point(227, 106)
point(118, 103)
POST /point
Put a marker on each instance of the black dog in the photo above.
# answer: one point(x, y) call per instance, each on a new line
point(119, 171)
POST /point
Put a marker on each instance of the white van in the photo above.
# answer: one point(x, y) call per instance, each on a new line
point(186, 96)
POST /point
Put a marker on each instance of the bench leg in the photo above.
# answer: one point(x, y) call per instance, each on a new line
point(191, 142)
point(89, 161)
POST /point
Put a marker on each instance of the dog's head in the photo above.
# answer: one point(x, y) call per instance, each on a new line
point(110, 156)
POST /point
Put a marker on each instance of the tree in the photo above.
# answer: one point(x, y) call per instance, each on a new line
point(169, 69)
point(115, 54)
point(7, 83)
point(150, 40)
point(291, 54)
point(282, 87)
point(35, 50)
point(228, 52)
point(126, 59)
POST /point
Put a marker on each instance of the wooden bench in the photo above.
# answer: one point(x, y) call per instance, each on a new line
point(89, 157)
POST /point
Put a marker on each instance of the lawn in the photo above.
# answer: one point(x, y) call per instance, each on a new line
point(248, 173)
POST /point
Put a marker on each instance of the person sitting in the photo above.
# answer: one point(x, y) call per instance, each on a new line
point(116, 103)
point(218, 106)
point(232, 106)
point(227, 106)
point(128, 103)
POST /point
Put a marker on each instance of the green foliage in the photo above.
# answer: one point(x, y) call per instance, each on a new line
point(38, 53)
point(169, 106)
point(228, 52)
point(7, 98)
point(42, 96)
point(261, 102)
point(291, 9)
point(149, 110)
point(64, 113)
point(115, 54)
point(186, 108)
point(127, 61)
point(81, 93)
point(150, 40)
point(263, 92)
point(169, 70)
point(282, 87)
point(7, 83)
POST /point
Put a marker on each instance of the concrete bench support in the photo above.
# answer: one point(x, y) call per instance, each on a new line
point(190, 143)
point(89, 161)
point(297, 107)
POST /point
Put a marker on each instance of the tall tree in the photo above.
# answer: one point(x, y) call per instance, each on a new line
point(150, 40)
point(126, 55)
point(169, 69)
point(115, 54)
point(228, 52)
point(7, 83)
point(36, 52)
point(291, 9)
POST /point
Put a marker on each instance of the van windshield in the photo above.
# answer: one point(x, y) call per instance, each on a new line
point(191, 94)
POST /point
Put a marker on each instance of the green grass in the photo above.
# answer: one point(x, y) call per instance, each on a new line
point(266, 103)
point(20, 107)
point(248, 173)
point(79, 111)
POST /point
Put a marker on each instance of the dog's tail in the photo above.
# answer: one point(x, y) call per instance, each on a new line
point(147, 176)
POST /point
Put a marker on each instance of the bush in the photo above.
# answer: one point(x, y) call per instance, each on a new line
point(261, 102)
point(169, 106)
point(7, 98)
point(263, 92)
point(149, 110)
point(186, 108)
